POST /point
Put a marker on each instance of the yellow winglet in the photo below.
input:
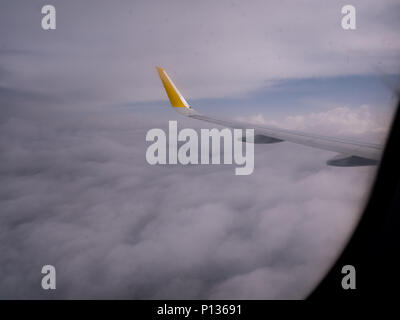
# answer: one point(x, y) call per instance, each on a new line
point(175, 97)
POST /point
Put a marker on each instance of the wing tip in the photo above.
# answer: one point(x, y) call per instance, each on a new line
point(175, 97)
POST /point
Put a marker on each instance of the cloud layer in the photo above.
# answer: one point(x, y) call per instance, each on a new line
point(359, 122)
point(77, 193)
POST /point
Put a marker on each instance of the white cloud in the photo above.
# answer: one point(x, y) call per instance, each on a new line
point(77, 193)
point(357, 122)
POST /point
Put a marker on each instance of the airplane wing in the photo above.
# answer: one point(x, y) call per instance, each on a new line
point(350, 153)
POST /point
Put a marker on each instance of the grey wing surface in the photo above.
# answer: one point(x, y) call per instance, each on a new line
point(350, 152)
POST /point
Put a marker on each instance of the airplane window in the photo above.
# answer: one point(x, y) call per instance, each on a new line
point(195, 150)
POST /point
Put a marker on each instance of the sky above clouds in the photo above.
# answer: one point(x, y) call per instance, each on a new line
point(77, 102)
point(108, 50)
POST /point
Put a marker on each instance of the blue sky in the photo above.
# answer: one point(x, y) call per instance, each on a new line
point(290, 97)
point(266, 54)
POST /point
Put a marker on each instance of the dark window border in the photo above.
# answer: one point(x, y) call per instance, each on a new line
point(374, 246)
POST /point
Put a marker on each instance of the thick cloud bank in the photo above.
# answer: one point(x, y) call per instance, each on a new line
point(77, 193)
point(356, 123)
